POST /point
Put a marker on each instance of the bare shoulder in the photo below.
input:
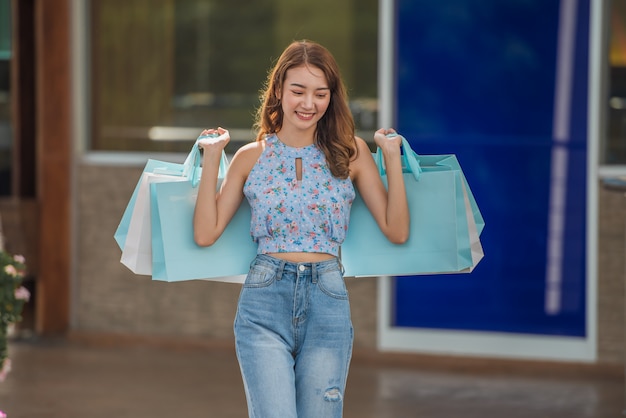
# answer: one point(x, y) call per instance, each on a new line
point(361, 145)
point(363, 159)
point(250, 150)
point(245, 158)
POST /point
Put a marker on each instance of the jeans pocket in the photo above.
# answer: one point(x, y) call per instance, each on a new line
point(260, 276)
point(332, 284)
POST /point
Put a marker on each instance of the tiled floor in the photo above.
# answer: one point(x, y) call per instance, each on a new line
point(73, 380)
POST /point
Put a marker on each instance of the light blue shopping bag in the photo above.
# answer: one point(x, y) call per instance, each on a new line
point(175, 255)
point(445, 224)
point(134, 233)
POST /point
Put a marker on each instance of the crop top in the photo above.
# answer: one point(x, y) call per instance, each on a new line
point(288, 215)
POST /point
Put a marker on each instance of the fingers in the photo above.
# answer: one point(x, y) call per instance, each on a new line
point(213, 136)
point(386, 131)
point(386, 136)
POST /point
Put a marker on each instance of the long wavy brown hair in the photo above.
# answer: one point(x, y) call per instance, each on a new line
point(334, 134)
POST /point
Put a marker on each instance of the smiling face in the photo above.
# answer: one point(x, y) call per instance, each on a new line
point(304, 97)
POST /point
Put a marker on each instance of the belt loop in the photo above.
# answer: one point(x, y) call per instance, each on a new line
point(281, 267)
point(313, 272)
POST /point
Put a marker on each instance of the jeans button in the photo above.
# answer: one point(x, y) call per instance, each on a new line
point(301, 268)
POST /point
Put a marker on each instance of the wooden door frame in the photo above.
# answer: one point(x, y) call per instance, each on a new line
point(54, 163)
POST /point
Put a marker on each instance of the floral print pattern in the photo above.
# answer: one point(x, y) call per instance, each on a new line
point(291, 215)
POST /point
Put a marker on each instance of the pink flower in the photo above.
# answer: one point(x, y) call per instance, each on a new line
point(293, 226)
point(20, 259)
point(3, 415)
point(21, 293)
point(6, 368)
point(10, 270)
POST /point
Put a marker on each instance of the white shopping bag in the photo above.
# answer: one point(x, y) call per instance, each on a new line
point(476, 246)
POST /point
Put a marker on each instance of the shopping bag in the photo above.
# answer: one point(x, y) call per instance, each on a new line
point(445, 224)
point(133, 234)
point(175, 255)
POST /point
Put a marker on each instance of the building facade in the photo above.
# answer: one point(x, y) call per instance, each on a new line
point(95, 88)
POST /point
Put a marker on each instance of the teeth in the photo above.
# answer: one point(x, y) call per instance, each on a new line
point(305, 115)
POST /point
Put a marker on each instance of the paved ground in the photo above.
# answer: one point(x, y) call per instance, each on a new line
point(64, 379)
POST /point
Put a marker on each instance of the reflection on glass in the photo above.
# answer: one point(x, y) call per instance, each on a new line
point(6, 136)
point(164, 69)
point(615, 143)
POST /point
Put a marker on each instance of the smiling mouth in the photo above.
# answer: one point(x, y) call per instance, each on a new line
point(306, 116)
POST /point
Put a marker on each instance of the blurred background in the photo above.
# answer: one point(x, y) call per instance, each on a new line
point(529, 94)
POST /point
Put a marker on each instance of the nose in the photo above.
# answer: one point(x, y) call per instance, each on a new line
point(307, 101)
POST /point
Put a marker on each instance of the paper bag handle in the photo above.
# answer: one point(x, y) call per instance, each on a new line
point(191, 166)
point(410, 162)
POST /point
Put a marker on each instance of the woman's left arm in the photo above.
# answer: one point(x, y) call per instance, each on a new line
point(389, 206)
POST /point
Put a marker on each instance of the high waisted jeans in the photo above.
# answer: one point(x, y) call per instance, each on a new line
point(294, 336)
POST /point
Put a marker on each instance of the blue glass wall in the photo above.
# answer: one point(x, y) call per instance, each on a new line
point(477, 79)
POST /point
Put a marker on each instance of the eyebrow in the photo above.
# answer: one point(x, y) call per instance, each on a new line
point(304, 87)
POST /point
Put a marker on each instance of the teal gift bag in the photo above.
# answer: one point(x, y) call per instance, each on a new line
point(445, 224)
point(133, 233)
point(175, 255)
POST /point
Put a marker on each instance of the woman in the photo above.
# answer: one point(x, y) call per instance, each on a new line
point(293, 330)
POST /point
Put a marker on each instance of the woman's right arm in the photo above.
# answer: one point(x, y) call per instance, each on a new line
point(214, 209)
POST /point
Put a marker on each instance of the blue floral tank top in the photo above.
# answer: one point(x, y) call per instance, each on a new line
point(288, 215)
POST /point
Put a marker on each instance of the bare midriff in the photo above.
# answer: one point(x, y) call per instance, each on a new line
point(303, 257)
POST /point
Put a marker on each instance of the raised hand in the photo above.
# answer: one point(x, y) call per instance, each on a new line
point(213, 139)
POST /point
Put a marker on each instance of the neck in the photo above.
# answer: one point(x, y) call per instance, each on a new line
point(295, 140)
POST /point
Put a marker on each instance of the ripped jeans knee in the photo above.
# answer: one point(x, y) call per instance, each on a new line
point(333, 395)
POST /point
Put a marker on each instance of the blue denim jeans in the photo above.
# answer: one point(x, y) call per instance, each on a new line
point(293, 336)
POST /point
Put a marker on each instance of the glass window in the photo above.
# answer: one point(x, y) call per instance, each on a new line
point(614, 150)
point(162, 70)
